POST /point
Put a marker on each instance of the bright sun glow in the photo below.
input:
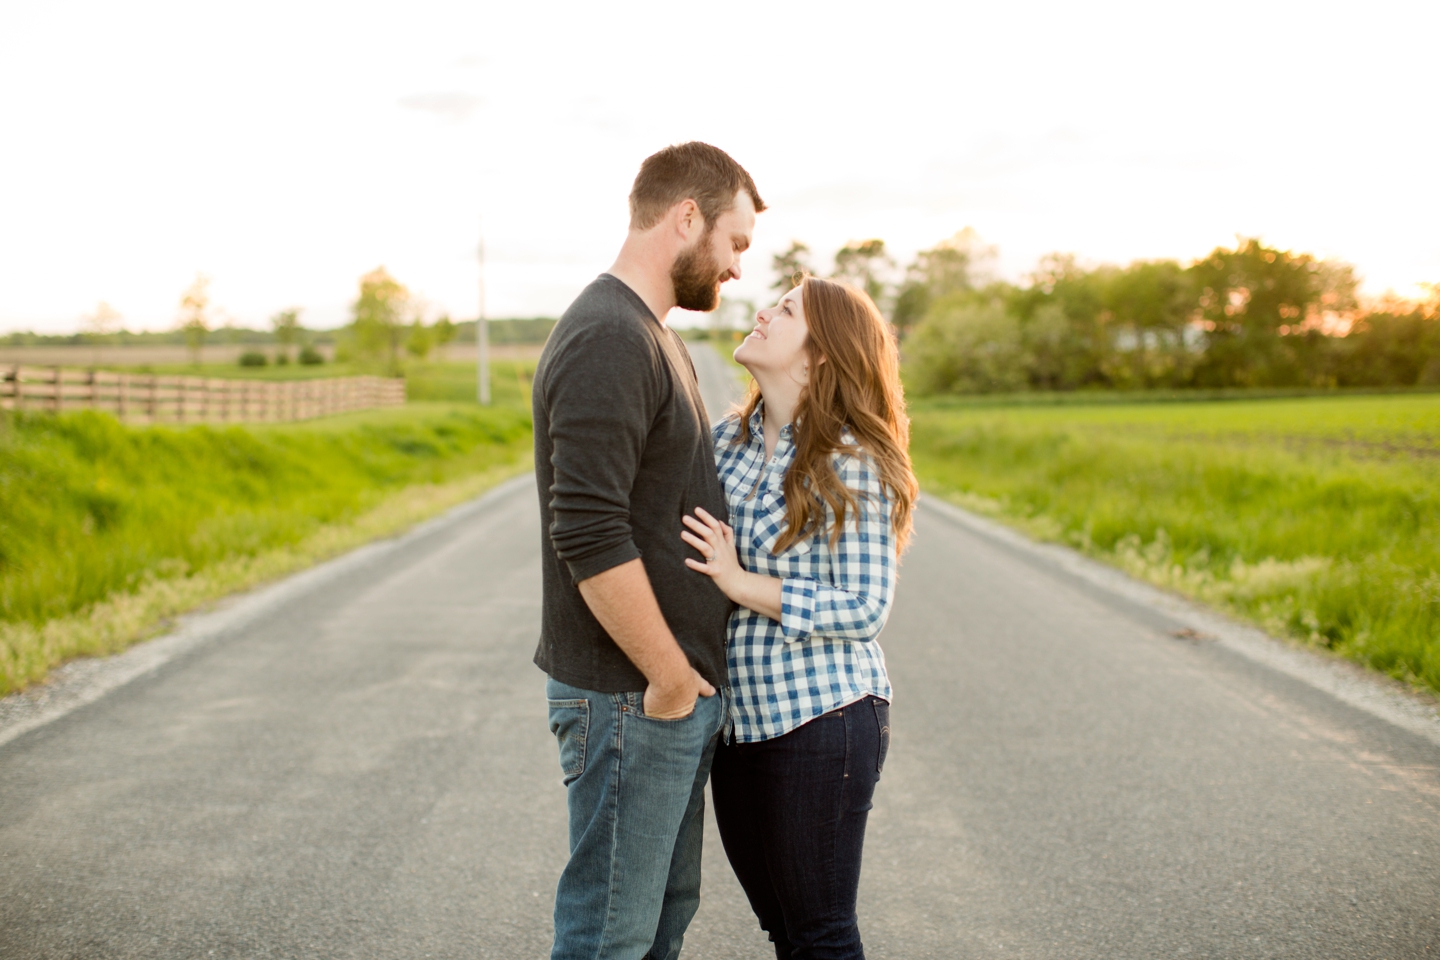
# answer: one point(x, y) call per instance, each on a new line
point(284, 149)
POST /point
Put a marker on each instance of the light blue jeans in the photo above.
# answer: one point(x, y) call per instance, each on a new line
point(635, 788)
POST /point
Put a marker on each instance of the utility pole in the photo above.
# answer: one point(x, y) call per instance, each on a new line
point(482, 335)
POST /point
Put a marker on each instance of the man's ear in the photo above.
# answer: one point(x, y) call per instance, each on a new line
point(687, 218)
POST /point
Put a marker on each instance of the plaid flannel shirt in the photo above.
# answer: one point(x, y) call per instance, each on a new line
point(823, 653)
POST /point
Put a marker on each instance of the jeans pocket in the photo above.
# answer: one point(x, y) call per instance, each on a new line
point(689, 716)
point(570, 723)
point(882, 720)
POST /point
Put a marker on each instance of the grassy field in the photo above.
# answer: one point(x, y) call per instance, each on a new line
point(107, 530)
point(1317, 518)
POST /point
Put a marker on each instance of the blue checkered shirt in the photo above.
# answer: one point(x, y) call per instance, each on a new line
point(823, 653)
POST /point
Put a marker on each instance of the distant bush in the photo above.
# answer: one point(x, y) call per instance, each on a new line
point(252, 358)
point(282, 358)
point(311, 357)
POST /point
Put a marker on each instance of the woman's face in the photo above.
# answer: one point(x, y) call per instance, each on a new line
point(777, 344)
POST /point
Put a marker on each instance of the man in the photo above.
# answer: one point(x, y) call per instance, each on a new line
point(634, 641)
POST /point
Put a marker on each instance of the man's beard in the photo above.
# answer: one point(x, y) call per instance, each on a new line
point(697, 278)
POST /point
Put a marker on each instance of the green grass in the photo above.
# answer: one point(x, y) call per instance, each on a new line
point(509, 381)
point(1317, 518)
point(93, 512)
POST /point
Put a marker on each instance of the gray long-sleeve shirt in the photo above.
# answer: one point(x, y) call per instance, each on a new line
point(623, 450)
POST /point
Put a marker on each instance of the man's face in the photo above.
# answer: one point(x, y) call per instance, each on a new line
point(714, 257)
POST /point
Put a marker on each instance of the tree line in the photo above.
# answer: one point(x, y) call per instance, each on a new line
point(1250, 315)
point(387, 323)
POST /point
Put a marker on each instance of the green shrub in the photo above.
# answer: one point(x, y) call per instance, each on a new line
point(252, 358)
point(966, 345)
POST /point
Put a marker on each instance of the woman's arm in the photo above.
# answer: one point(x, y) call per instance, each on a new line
point(856, 602)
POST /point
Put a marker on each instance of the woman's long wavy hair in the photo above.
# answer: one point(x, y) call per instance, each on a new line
point(857, 386)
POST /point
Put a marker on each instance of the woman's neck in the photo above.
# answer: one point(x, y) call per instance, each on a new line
point(781, 393)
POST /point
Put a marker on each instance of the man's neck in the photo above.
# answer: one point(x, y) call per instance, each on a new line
point(644, 268)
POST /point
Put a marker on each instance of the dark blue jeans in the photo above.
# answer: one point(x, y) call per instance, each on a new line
point(792, 813)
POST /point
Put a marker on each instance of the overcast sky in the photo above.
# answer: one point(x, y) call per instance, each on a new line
point(284, 149)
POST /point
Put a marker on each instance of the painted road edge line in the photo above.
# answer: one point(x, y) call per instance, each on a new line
point(86, 680)
point(1343, 680)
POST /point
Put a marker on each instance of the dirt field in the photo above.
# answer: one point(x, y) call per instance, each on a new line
point(169, 355)
point(126, 356)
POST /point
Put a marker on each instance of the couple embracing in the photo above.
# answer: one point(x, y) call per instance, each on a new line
point(712, 598)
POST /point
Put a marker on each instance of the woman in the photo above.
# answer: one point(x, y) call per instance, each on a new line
point(820, 491)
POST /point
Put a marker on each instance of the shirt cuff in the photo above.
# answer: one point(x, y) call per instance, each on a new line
point(797, 609)
point(586, 567)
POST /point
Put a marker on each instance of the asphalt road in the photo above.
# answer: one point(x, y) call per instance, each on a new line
point(362, 769)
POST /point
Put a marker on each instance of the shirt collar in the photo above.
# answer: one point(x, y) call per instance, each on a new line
point(757, 424)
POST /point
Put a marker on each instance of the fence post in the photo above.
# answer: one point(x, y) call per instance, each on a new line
point(14, 379)
point(55, 380)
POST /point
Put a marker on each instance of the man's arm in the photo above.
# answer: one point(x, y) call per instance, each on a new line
point(622, 600)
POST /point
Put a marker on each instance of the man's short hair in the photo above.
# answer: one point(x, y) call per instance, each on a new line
point(688, 171)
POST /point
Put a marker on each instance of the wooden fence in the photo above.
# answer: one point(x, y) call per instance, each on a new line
point(174, 399)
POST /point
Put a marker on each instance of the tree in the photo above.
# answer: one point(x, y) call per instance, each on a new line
point(103, 323)
point(195, 316)
point(1396, 342)
point(732, 317)
point(967, 345)
point(790, 267)
point(951, 266)
point(379, 315)
point(101, 326)
point(864, 264)
point(1146, 310)
point(1258, 305)
point(444, 333)
point(288, 331)
point(1061, 316)
point(420, 340)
